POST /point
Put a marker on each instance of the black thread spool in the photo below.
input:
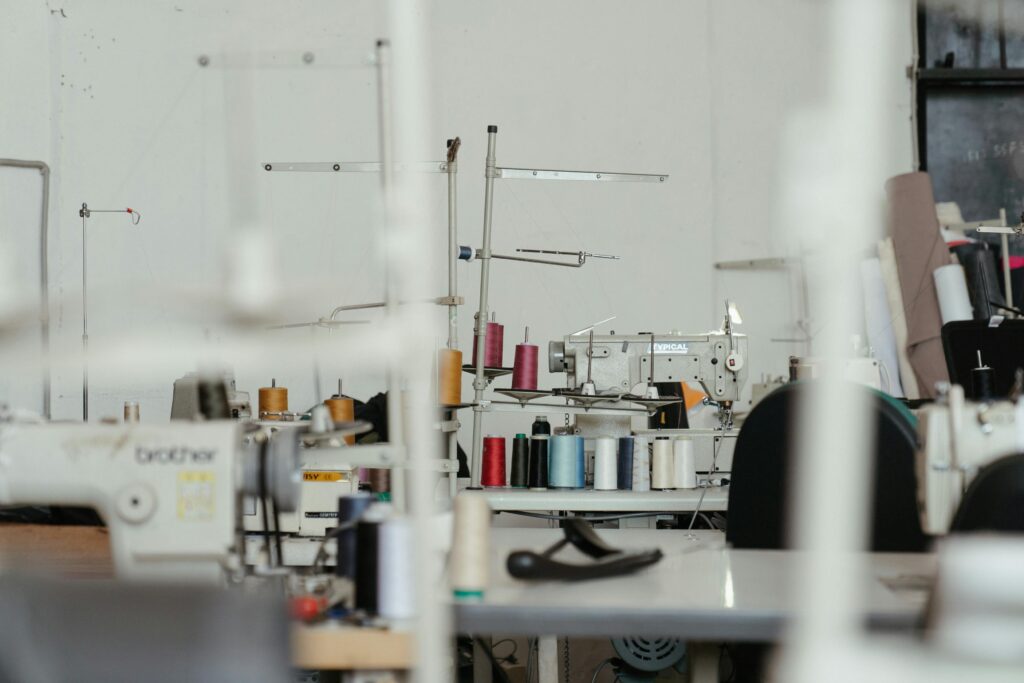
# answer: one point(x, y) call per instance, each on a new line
point(625, 463)
point(983, 382)
point(541, 426)
point(350, 509)
point(520, 461)
point(538, 471)
point(367, 562)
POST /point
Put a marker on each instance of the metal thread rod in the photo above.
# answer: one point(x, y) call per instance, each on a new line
point(480, 381)
point(453, 244)
point(395, 435)
point(85, 319)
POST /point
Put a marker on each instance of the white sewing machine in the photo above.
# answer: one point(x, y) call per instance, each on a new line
point(957, 438)
point(169, 494)
point(622, 364)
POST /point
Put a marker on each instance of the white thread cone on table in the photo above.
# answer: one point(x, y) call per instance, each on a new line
point(641, 464)
point(471, 546)
point(606, 472)
point(684, 461)
point(396, 599)
point(661, 465)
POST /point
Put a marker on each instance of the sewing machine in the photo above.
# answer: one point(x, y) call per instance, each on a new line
point(957, 438)
point(630, 364)
point(169, 494)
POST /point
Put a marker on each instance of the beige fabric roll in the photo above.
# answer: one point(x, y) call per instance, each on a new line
point(891, 277)
point(920, 249)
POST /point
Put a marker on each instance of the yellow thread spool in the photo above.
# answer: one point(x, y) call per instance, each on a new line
point(273, 400)
point(342, 410)
point(449, 377)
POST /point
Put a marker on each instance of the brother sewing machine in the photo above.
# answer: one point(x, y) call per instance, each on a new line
point(170, 494)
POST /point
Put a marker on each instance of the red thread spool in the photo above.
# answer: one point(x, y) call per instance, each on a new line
point(493, 473)
point(524, 372)
point(494, 344)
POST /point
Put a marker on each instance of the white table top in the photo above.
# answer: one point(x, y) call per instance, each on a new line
point(700, 590)
point(589, 500)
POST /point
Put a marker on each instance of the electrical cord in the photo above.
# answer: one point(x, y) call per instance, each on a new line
point(707, 485)
point(510, 658)
point(496, 667)
point(602, 665)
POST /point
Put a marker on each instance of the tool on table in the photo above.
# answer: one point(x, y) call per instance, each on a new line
point(607, 561)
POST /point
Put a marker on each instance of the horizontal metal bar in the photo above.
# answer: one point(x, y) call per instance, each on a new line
point(354, 166)
point(716, 498)
point(546, 262)
point(546, 174)
point(940, 77)
point(757, 263)
point(549, 408)
point(998, 230)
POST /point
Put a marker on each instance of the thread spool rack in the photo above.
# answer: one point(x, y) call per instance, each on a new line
point(485, 376)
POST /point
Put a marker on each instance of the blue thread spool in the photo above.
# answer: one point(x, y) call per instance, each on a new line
point(625, 463)
point(562, 461)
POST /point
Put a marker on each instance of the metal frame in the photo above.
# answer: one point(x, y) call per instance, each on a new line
point(491, 172)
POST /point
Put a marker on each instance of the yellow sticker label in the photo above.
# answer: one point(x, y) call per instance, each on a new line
point(196, 495)
point(328, 476)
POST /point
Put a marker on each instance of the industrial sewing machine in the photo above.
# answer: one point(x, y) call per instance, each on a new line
point(170, 494)
point(957, 438)
point(622, 366)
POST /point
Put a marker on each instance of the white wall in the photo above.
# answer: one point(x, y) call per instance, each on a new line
point(110, 93)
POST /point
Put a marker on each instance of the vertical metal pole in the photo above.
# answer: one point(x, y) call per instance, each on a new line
point(395, 436)
point(85, 323)
point(453, 291)
point(1007, 281)
point(480, 325)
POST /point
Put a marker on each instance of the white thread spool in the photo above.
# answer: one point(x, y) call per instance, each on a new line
point(471, 553)
point(661, 465)
point(606, 466)
point(684, 463)
point(395, 570)
point(951, 287)
point(641, 464)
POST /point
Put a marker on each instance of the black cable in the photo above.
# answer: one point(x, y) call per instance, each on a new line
point(276, 517)
point(263, 500)
point(497, 670)
point(1011, 309)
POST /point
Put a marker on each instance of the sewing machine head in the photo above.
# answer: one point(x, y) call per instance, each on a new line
point(169, 494)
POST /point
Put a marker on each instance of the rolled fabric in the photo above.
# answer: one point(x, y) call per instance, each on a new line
point(891, 278)
point(878, 323)
point(920, 249)
point(983, 279)
point(954, 302)
point(641, 464)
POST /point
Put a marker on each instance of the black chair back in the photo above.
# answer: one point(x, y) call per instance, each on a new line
point(994, 501)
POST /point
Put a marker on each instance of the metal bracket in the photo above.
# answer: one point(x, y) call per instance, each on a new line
point(354, 166)
point(752, 264)
point(547, 174)
point(450, 301)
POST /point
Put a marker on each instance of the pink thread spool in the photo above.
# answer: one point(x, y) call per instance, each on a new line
point(524, 370)
point(494, 344)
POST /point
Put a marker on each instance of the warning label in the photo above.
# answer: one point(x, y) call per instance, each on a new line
point(326, 476)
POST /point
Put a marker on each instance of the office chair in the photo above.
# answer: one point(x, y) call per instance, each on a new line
point(759, 492)
point(994, 501)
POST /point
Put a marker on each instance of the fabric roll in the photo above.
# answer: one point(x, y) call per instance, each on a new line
point(983, 278)
point(891, 278)
point(919, 249)
point(954, 301)
point(879, 324)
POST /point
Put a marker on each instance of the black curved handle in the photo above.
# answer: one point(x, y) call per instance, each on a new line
point(526, 564)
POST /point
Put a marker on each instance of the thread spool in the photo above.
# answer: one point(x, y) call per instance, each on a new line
point(537, 476)
point(131, 411)
point(641, 464)
point(367, 560)
point(982, 381)
point(350, 509)
point(684, 463)
point(274, 400)
point(493, 472)
point(541, 426)
point(581, 464)
point(380, 482)
point(449, 377)
point(524, 368)
point(562, 465)
point(624, 464)
point(342, 409)
point(520, 461)
point(494, 345)
point(471, 552)
point(606, 471)
point(661, 464)
point(395, 594)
